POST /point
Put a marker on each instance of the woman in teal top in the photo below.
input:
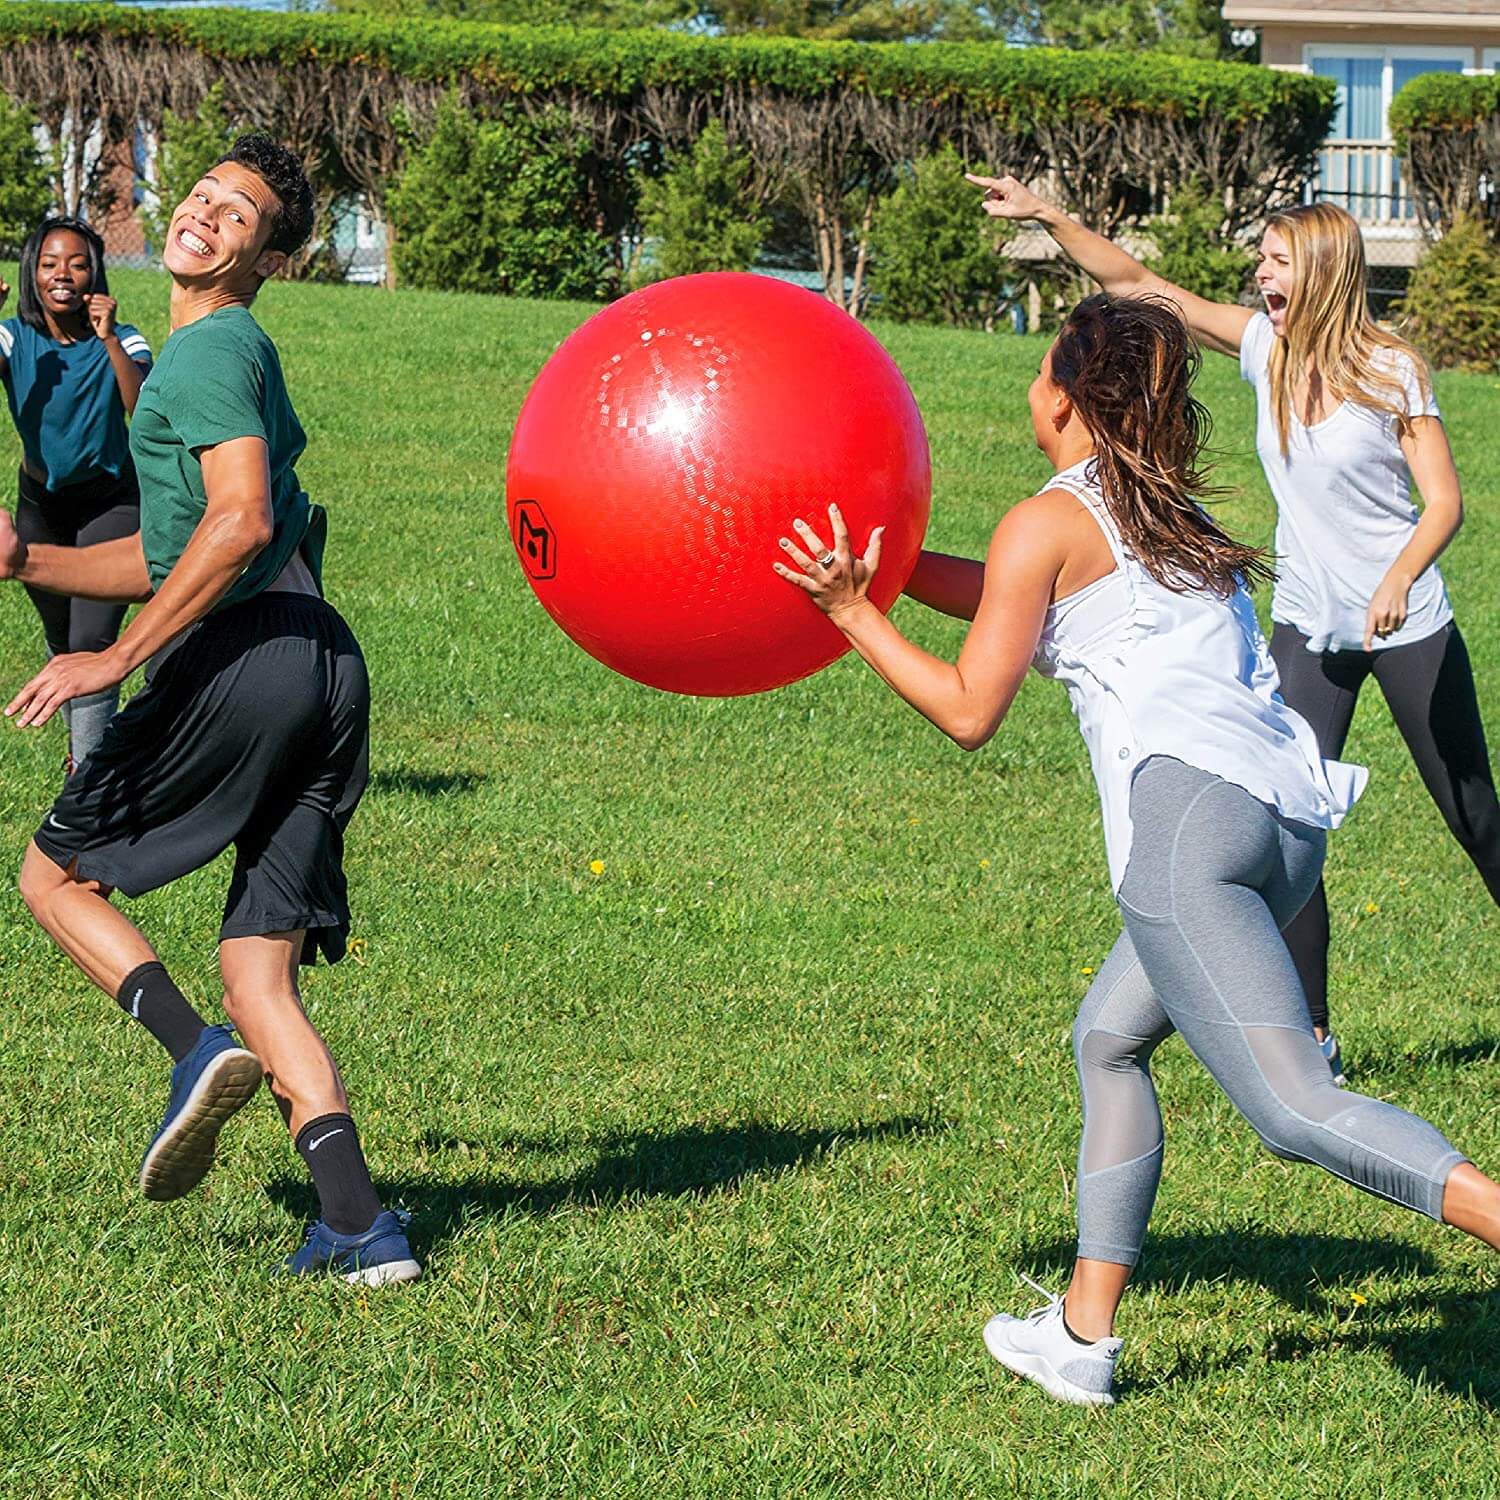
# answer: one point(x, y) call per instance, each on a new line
point(71, 375)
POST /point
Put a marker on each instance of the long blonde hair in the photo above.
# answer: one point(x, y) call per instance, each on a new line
point(1328, 324)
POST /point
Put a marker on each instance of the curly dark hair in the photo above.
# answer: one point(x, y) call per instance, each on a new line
point(281, 171)
point(1127, 364)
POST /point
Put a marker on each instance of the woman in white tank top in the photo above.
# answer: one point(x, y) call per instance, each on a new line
point(1215, 801)
point(1345, 423)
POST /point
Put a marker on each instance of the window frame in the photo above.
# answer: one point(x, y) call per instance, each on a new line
point(1389, 53)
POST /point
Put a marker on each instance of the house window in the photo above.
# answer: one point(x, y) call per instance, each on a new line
point(1370, 77)
point(1360, 113)
point(1358, 169)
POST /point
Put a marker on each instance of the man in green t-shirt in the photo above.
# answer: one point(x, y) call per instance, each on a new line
point(252, 729)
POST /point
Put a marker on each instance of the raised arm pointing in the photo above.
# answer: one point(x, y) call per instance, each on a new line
point(1217, 325)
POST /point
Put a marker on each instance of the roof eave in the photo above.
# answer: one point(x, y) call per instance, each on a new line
point(1256, 13)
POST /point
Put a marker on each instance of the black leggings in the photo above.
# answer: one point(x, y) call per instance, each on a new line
point(1430, 689)
point(100, 510)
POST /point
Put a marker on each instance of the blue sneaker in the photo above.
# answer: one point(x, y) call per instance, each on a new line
point(216, 1078)
point(378, 1257)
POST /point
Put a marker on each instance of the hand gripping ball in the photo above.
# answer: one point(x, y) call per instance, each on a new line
point(669, 443)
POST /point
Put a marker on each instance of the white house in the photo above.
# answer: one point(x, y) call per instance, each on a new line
point(1372, 48)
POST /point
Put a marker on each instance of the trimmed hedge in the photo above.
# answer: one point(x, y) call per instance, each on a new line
point(1447, 127)
point(1113, 135)
point(1443, 101)
point(1018, 86)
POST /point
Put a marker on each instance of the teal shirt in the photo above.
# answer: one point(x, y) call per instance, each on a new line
point(215, 380)
point(66, 401)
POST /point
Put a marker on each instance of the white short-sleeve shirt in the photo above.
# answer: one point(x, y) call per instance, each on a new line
point(1344, 510)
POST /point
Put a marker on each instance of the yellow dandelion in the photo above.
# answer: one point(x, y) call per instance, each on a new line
point(984, 864)
point(1085, 970)
point(596, 866)
point(1371, 908)
point(1358, 1300)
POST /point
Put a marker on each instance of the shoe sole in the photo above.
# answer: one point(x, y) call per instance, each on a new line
point(391, 1273)
point(1036, 1369)
point(180, 1158)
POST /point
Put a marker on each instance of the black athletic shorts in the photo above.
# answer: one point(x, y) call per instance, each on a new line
point(253, 730)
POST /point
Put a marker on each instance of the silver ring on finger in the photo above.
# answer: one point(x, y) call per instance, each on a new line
point(826, 558)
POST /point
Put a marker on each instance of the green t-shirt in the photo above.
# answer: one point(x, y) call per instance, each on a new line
point(217, 379)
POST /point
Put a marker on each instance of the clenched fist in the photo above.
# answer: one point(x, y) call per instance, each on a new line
point(101, 311)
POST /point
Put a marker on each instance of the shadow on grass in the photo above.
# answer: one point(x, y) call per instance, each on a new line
point(1316, 1274)
point(424, 783)
point(692, 1162)
point(1304, 1270)
point(1445, 1056)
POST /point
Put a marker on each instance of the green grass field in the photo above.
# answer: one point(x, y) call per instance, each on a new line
point(720, 1158)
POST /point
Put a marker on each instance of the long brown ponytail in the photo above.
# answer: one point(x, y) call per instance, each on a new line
point(1127, 364)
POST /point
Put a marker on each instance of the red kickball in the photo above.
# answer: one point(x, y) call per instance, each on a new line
point(669, 443)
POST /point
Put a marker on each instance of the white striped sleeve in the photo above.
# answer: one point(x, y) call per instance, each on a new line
point(133, 342)
point(7, 341)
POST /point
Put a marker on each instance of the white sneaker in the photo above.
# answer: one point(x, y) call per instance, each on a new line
point(1041, 1348)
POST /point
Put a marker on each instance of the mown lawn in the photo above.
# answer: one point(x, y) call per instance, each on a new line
point(720, 1159)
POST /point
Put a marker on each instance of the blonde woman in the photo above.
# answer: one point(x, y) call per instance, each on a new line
point(1346, 423)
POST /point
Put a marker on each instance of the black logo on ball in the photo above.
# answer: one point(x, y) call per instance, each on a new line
point(535, 541)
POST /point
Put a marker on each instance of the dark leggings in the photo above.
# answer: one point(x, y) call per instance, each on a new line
point(100, 510)
point(1430, 689)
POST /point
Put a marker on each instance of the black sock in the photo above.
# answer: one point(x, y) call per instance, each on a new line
point(1077, 1339)
point(151, 997)
point(330, 1147)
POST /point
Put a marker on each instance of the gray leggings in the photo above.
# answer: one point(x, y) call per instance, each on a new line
point(1213, 877)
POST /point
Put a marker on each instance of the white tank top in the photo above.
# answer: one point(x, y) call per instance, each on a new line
point(1151, 671)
